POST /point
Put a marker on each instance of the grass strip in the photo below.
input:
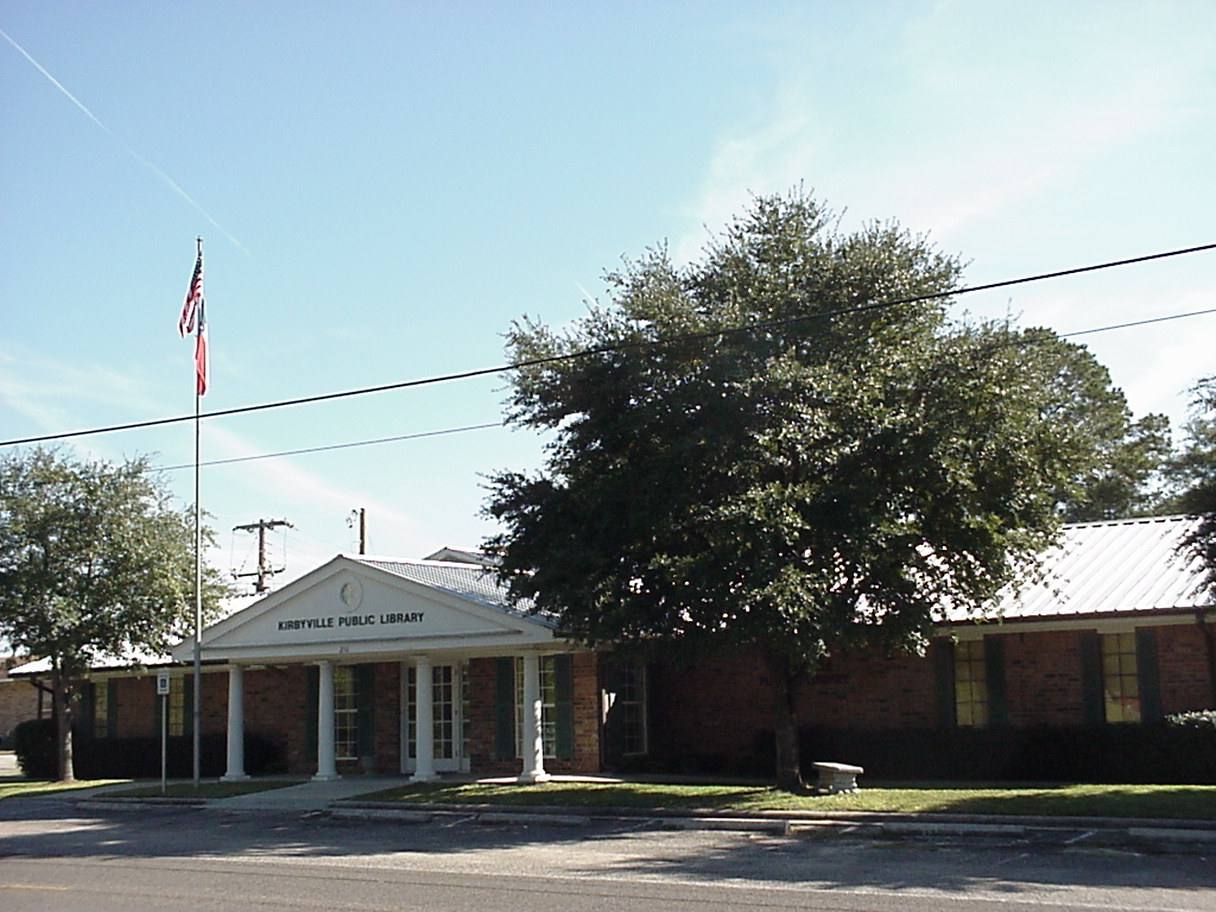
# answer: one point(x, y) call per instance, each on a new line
point(1181, 802)
point(38, 788)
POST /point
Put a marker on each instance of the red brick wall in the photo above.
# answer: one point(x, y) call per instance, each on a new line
point(482, 683)
point(276, 708)
point(716, 707)
point(723, 706)
point(18, 702)
point(871, 690)
point(1043, 678)
point(386, 677)
point(1182, 656)
point(482, 686)
point(586, 760)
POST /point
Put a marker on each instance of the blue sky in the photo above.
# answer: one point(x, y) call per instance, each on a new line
point(384, 187)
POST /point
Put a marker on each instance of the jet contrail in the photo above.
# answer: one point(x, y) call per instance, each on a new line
point(147, 164)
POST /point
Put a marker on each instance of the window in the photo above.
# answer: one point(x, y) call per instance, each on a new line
point(1120, 678)
point(557, 707)
point(631, 703)
point(970, 684)
point(548, 702)
point(101, 709)
point(346, 714)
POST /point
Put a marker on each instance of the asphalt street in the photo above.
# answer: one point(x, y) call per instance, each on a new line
point(54, 855)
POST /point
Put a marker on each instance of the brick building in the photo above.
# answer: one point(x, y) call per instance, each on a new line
point(19, 700)
point(339, 668)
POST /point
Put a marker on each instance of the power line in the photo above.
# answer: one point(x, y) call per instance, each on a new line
point(335, 446)
point(481, 427)
point(691, 337)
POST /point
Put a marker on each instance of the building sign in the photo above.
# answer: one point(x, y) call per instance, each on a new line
point(336, 621)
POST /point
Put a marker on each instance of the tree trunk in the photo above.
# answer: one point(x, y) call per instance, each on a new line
point(785, 724)
point(63, 712)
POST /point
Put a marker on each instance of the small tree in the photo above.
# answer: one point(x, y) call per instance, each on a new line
point(761, 451)
point(94, 561)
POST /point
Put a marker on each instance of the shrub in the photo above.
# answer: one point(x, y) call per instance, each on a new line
point(139, 758)
point(35, 744)
point(1149, 753)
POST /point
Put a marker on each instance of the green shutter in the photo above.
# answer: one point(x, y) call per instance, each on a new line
point(563, 681)
point(994, 672)
point(504, 709)
point(112, 709)
point(365, 701)
point(1093, 707)
point(87, 717)
point(943, 681)
point(188, 708)
point(312, 703)
point(1148, 673)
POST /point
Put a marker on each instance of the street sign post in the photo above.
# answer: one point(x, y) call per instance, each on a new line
point(163, 686)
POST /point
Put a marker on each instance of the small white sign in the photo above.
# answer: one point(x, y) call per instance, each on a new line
point(162, 683)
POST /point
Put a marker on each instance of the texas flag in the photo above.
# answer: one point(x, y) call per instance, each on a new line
point(201, 363)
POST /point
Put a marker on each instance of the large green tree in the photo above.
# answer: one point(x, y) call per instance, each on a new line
point(1130, 454)
point(1191, 472)
point(94, 561)
point(767, 449)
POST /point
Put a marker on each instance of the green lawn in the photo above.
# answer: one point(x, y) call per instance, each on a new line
point(1142, 801)
point(16, 787)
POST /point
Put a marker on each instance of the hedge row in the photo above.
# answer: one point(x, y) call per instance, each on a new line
point(1180, 752)
point(1160, 753)
point(138, 758)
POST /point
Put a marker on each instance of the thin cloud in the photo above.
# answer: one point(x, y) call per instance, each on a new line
point(34, 386)
point(168, 181)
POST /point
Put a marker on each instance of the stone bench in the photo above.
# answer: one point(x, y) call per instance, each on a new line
point(837, 777)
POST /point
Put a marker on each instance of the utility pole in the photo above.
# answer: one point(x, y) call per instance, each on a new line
point(263, 571)
point(362, 514)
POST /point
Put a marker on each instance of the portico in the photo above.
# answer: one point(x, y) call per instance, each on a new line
point(418, 667)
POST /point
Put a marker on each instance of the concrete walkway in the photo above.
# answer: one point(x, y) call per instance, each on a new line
point(307, 796)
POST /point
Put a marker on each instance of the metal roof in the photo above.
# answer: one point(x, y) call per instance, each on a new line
point(468, 581)
point(1128, 566)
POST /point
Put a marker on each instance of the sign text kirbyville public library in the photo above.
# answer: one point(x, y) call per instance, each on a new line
point(352, 620)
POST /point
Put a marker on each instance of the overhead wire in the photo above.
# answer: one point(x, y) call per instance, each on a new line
point(334, 446)
point(688, 337)
point(991, 346)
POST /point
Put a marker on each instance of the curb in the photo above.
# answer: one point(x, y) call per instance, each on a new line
point(1161, 835)
point(127, 804)
point(1168, 836)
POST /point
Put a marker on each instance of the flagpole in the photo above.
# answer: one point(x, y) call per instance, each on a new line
point(198, 567)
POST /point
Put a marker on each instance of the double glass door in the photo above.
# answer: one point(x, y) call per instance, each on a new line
point(449, 689)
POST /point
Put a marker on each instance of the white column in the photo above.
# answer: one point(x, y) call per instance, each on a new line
point(327, 767)
point(404, 703)
point(424, 719)
point(534, 745)
point(236, 725)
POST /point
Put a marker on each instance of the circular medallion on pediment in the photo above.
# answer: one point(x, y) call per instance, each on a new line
point(351, 593)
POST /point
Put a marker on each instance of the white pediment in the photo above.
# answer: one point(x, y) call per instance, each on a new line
point(352, 607)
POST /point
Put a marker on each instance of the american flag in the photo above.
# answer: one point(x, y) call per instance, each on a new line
point(194, 299)
point(193, 320)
